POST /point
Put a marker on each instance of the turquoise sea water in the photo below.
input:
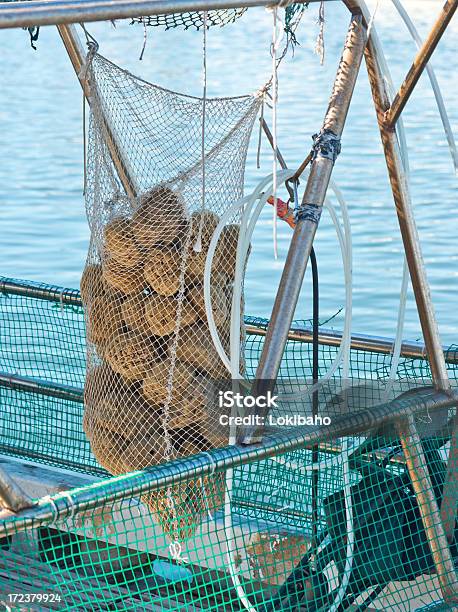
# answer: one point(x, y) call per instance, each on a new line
point(44, 231)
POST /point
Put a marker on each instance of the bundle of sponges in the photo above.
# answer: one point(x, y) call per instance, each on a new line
point(151, 355)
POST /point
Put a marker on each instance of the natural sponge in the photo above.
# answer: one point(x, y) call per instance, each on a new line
point(130, 354)
point(92, 283)
point(218, 300)
point(273, 556)
point(100, 381)
point(103, 319)
point(156, 382)
point(161, 314)
point(159, 218)
point(133, 313)
point(226, 250)
point(126, 414)
point(121, 278)
point(196, 348)
point(144, 450)
point(108, 448)
point(175, 512)
point(120, 243)
point(162, 270)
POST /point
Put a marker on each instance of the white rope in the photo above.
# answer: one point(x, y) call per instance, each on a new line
point(277, 36)
point(202, 486)
point(319, 45)
point(261, 119)
point(72, 504)
point(371, 22)
point(198, 244)
point(176, 552)
point(145, 36)
point(47, 499)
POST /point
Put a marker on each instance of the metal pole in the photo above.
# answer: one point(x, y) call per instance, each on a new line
point(12, 497)
point(429, 511)
point(39, 386)
point(417, 274)
point(408, 227)
point(54, 12)
point(419, 63)
point(326, 337)
point(308, 217)
point(76, 54)
point(358, 342)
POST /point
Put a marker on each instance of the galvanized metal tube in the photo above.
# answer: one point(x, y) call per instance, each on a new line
point(54, 12)
point(419, 63)
point(41, 387)
point(12, 497)
point(162, 476)
point(429, 511)
point(359, 342)
point(39, 291)
point(77, 56)
point(306, 226)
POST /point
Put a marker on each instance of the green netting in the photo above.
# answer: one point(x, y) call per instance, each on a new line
point(100, 549)
point(194, 19)
point(44, 340)
point(280, 540)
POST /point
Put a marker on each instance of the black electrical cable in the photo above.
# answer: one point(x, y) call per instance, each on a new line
point(293, 590)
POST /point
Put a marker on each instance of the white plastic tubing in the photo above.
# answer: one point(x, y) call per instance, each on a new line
point(252, 206)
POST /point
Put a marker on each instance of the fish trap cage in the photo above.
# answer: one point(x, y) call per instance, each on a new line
point(276, 539)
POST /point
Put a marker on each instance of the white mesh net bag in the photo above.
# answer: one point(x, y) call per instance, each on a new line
point(150, 353)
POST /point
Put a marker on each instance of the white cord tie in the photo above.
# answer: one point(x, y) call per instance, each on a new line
point(55, 512)
point(176, 551)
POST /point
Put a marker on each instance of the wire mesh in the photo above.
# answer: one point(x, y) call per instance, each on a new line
point(194, 19)
point(43, 340)
point(116, 555)
point(99, 552)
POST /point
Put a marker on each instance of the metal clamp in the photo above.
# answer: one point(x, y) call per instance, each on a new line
point(326, 144)
point(308, 212)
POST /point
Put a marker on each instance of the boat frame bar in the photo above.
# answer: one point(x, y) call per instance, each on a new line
point(56, 12)
point(410, 349)
point(77, 56)
point(417, 268)
point(158, 477)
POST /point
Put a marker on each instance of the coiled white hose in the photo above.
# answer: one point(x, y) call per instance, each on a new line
point(257, 201)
